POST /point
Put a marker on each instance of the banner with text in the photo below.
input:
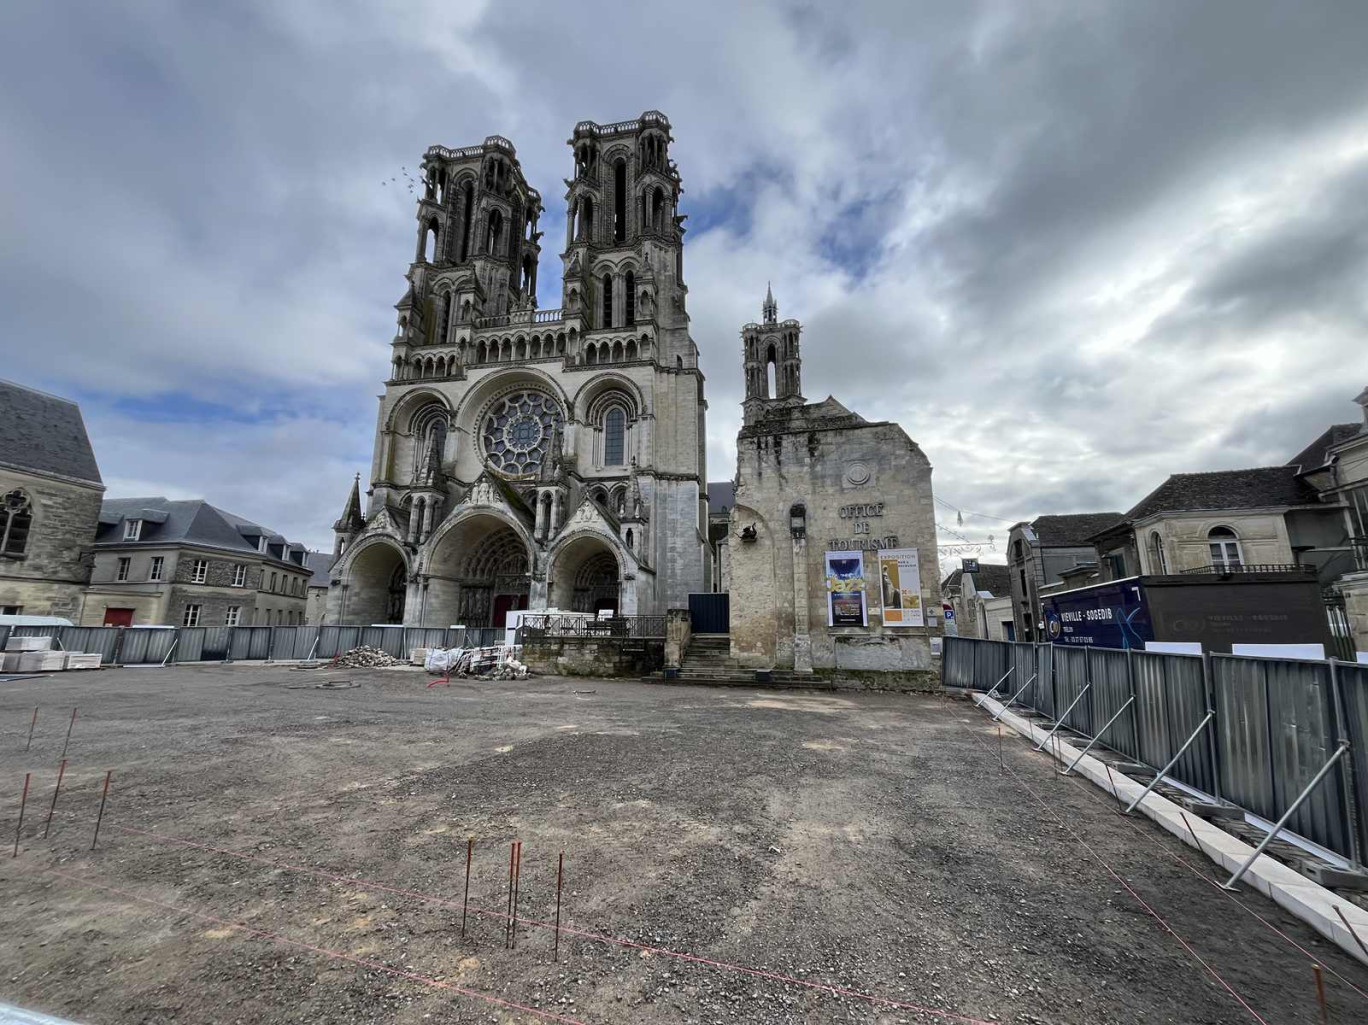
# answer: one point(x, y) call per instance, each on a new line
point(845, 586)
point(900, 580)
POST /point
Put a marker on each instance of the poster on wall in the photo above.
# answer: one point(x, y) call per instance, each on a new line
point(900, 581)
point(845, 586)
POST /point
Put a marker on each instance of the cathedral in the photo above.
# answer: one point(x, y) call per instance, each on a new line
point(528, 458)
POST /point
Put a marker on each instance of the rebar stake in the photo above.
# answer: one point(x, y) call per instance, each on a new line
point(508, 918)
point(100, 818)
point(19, 828)
point(1001, 766)
point(68, 736)
point(465, 903)
point(517, 885)
point(31, 725)
point(1112, 781)
point(1320, 993)
point(560, 869)
point(61, 771)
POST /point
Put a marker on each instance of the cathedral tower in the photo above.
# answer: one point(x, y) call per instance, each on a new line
point(772, 360)
point(528, 458)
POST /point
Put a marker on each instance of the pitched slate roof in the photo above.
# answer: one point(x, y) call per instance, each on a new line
point(44, 433)
point(1072, 529)
point(1314, 456)
point(1255, 488)
point(321, 565)
point(721, 497)
point(991, 577)
point(190, 521)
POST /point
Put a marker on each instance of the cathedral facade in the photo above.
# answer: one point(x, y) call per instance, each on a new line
point(528, 458)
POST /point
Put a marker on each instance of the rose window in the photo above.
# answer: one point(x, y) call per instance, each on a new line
point(517, 431)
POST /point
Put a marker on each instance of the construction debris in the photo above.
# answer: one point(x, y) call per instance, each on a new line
point(496, 662)
point(366, 657)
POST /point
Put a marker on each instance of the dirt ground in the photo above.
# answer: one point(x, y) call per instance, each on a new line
point(864, 857)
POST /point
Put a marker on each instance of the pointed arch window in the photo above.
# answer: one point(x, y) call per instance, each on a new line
point(614, 436)
point(629, 312)
point(16, 519)
point(607, 300)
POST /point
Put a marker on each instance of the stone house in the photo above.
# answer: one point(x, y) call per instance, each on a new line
point(320, 568)
point(979, 596)
point(814, 478)
point(50, 491)
point(1039, 553)
point(721, 498)
point(189, 563)
point(527, 458)
point(1336, 464)
point(1265, 519)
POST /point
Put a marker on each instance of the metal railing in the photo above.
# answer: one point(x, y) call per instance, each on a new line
point(1254, 732)
point(1223, 568)
point(1360, 546)
point(618, 627)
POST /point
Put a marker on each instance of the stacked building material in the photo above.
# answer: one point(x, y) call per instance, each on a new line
point(41, 661)
point(82, 660)
point(28, 644)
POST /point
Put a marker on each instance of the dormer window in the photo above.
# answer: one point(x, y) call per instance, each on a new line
point(132, 530)
point(263, 543)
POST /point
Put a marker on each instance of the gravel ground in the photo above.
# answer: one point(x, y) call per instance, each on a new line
point(869, 843)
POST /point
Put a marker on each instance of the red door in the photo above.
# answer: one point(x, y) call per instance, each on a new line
point(504, 604)
point(118, 617)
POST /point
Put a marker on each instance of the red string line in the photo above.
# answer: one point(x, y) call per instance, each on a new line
point(1230, 896)
point(276, 937)
point(1129, 889)
point(596, 937)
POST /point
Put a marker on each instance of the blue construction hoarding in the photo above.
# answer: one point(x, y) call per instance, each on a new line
point(1111, 615)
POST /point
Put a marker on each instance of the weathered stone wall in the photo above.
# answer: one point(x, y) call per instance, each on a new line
point(1354, 587)
point(585, 656)
point(48, 579)
point(829, 469)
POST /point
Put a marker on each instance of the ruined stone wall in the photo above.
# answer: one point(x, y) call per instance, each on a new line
point(865, 487)
point(50, 575)
point(593, 656)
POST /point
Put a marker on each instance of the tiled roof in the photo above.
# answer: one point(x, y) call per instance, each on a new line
point(990, 577)
point(1073, 529)
point(321, 565)
point(189, 521)
point(1255, 488)
point(45, 433)
point(721, 497)
point(1313, 457)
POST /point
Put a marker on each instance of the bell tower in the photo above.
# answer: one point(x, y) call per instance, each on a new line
point(772, 360)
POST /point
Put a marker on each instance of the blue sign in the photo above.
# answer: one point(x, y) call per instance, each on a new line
point(1114, 615)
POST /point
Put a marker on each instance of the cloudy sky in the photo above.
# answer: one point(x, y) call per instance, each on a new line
point(1072, 248)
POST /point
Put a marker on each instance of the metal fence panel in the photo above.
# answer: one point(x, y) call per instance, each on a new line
point(1170, 701)
point(1303, 729)
point(1276, 730)
point(1046, 687)
point(144, 647)
point(1353, 686)
point(957, 662)
point(1071, 676)
point(1110, 674)
point(189, 644)
point(216, 643)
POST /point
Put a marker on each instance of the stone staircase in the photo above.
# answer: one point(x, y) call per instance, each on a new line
point(708, 662)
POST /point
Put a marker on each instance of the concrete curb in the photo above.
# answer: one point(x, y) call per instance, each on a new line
point(1311, 902)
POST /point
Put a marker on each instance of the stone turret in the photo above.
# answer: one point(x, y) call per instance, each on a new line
point(773, 361)
point(351, 522)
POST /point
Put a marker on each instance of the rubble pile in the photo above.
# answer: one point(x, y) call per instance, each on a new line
point(366, 657)
point(493, 663)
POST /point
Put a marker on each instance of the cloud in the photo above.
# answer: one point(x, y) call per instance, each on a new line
point(1071, 248)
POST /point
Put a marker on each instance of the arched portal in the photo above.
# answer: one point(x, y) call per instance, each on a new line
point(586, 577)
point(479, 572)
point(376, 583)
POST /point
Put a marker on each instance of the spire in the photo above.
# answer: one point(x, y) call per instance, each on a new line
point(770, 309)
point(351, 520)
point(432, 459)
